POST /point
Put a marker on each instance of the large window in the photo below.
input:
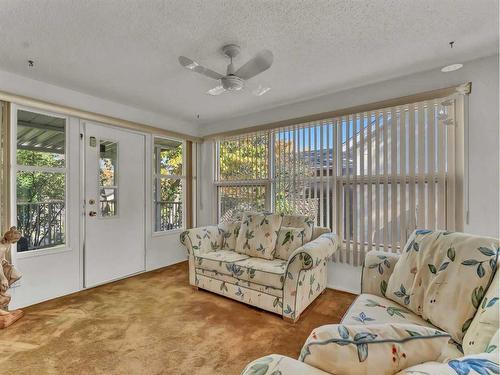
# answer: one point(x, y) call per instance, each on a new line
point(40, 180)
point(168, 184)
point(373, 177)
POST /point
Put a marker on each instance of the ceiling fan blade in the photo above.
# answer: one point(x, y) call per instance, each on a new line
point(261, 62)
point(187, 63)
point(261, 90)
point(217, 90)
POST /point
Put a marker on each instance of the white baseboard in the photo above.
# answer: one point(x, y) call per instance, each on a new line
point(344, 289)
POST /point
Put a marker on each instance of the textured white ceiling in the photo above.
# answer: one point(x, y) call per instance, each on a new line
point(127, 51)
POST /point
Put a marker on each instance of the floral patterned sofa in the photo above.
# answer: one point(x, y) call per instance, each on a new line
point(447, 281)
point(284, 285)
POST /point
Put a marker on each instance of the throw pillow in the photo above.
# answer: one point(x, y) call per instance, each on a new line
point(485, 322)
point(359, 349)
point(229, 233)
point(258, 233)
point(300, 221)
point(289, 239)
point(443, 276)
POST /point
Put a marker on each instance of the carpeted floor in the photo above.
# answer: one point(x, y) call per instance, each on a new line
point(154, 323)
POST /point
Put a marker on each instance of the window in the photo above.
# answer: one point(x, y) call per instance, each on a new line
point(243, 174)
point(168, 184)
point(40, 180)
point(373, 177)
point(108, 178)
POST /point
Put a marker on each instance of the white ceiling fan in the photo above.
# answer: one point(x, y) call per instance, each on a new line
point(234, 80)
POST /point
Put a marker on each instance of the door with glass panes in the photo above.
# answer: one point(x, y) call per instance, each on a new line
point(114, 204)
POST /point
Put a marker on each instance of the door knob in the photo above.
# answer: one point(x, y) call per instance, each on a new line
point(92, 213)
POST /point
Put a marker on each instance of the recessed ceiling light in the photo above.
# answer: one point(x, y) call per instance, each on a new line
point(451, 68)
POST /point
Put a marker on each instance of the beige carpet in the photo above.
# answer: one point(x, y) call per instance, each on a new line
point(154, 323)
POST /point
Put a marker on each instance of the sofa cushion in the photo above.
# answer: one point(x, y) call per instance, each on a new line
point(373, 309)
point(239, 282)
point(300, 221)
point(436, 269)
point(486, 321)
point(219, 261)
point(261, 271)
point(289, 239)
point(483, 364)
point(359, 349)
point(258, 233)
point(275, 364)
point(229, 233)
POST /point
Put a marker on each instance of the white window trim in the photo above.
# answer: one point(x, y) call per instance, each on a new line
point(15, 168)
point(155, 176)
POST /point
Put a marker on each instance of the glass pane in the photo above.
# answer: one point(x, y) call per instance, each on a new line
point(40, 209)
point(40, 139)
point(168, 204)
point(235, 199)
point(108, 201)
point(108, 156)
point(244, 158)
point(168, 157)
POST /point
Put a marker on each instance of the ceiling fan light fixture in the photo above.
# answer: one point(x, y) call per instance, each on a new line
point(232, 83)
point(451, 68)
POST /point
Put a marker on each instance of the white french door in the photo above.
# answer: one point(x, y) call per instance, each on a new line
point(114, 211)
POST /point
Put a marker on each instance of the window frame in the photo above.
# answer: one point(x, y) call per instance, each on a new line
point(15, 168)
point(267, 183)
point(158, 177)
point(343, 183)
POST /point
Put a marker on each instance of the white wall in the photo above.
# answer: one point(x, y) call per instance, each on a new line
point(483, 140)
point(19, 85)
point(52, 274)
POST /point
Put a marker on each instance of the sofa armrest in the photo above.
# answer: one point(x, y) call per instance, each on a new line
point(201, 240)
point(318, 231)
point(279, 364)
point(313, 252)
point(377, 268)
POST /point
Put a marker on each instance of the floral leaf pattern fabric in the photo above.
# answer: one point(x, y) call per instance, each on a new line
point(262, 271)
point(201, 240)
point(221, 261)
point(300, 221)
point(373, 309)
point(241, 283)
point(289, 239)
point(258, 233)
point(240, 293)
point(305, 275)
point(485, 323)
point(358, 349)
point(438, 268)
point(275, 364)
point(377, 269)
point(482, 364)
point(229, 233)
point(285, 287)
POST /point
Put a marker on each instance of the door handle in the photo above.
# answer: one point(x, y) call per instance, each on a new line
point(92, 213)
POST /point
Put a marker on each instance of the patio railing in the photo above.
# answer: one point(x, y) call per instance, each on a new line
point(168, 215)
point(41, 224)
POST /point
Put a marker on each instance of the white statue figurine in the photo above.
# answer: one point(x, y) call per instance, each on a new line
point(8, 276)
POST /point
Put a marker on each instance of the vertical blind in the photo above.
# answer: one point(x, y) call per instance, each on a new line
point(372, 177)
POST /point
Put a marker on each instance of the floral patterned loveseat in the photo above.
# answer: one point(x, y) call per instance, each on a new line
point(444, 280)
point(285, 285)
